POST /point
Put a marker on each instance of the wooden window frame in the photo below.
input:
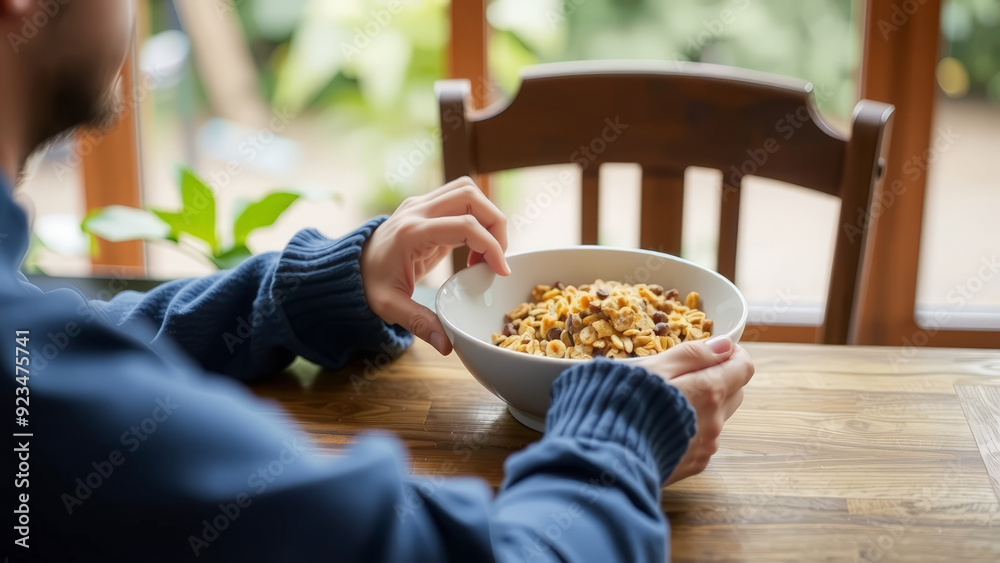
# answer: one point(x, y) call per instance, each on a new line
point(898, 68)
point(111, 168)
point(467, 44)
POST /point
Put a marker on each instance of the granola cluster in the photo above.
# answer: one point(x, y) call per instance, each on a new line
point(605, 318)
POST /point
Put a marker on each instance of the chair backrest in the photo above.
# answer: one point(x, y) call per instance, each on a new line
point(667, 117)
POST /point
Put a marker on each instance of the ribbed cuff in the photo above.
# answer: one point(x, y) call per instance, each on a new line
point(318, 285)
point(608, 401)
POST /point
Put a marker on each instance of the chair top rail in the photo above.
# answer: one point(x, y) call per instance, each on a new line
point(661, 116)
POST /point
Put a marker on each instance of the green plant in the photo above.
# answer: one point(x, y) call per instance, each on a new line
point(365, 70)
point(194, 227)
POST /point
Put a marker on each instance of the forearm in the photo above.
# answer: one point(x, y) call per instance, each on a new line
point(322, 297)
point(308, 300)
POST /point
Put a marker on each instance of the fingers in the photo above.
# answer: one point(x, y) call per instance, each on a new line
point(732, 403)
point(469, 199)
point(465, 229)
point(449, 187)
point(690, 356)
point(459, 198)
point(715, 392)
point(715, 385)
point(419, 320)
point(737, 371)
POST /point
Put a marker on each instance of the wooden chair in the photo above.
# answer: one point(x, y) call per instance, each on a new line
point(666, 117)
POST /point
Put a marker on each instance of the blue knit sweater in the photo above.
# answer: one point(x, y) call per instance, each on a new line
point(142, 446)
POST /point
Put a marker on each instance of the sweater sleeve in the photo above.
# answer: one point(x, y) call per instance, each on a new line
point(138, 454)
point(307, 300)
point(590, 489)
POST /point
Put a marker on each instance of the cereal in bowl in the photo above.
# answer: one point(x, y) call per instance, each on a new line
point(604, 318)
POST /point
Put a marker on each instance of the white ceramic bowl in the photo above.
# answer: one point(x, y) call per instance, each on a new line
point(472, 304)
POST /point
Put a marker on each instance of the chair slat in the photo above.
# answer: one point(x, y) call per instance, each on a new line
point(589, 202)
point(662, 210)
point(729, 227)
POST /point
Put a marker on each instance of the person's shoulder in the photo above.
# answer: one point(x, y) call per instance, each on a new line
point(62, 319)
point(24, 302)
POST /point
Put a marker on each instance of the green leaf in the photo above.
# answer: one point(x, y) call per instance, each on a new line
point(197, 214)
point(316, 55)
point(261, 213)
point(118, 223)
point(232, 257)
point(240, 205)
point(174, 223)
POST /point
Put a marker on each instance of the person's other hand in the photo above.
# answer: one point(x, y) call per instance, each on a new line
point(712, 375)
point(423, 231)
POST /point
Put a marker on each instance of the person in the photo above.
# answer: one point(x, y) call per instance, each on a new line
point(140, 443)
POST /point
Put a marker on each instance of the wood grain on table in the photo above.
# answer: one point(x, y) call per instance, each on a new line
point(838, 453)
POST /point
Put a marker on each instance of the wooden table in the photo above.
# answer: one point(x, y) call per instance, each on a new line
point(863, 454)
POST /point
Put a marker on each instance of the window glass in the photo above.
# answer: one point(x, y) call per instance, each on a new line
point(960, 242)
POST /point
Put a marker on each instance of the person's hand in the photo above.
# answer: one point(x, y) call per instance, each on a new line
point(423, 231)
point(711, 374)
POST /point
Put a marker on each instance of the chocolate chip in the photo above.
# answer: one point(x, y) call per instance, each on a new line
point(662, 329)
point(656, 289)
point(554, 333)
point(708, 325)
point(559, 286)
point(595, 307)
point(672, 294)
point(660, 317)
point(509, 329)
point(602, 293)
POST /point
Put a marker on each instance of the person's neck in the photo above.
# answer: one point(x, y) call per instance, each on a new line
point(7, 179)
point(12, 159)
point(15, 143)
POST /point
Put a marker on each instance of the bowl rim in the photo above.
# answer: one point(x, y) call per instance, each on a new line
point(566, 361)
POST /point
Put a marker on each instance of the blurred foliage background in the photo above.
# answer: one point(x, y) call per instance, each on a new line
point(356, 77)
point(367, 71)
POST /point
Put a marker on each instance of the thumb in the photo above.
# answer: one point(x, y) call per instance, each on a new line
point(690, 356)
point(420, 321)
